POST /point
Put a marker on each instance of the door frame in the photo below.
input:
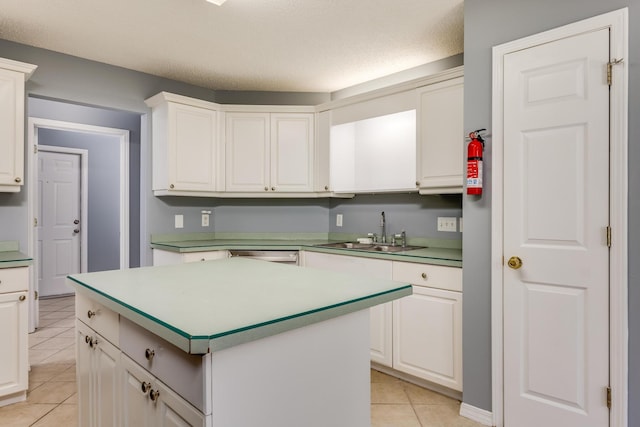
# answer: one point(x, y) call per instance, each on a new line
point(618, 23)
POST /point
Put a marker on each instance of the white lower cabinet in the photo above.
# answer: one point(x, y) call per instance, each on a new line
point(380, 315)
point(113, 389)
point(427, 336)
point(420, 334)
point(427, 326)
point(14, 358)
point(148, 402)
point(97, 363)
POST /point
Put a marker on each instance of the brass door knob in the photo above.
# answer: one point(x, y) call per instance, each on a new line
point(514, 262)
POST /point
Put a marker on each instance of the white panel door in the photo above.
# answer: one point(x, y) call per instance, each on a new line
point(556, 210)
point(59, 225)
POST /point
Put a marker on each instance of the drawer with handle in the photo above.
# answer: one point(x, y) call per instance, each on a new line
point(98, 317)
point(432, 276)
point(14, 279)
point(181, 371)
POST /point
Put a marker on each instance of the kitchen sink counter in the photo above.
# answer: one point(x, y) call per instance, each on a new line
point(10, 256)
point(451, 257)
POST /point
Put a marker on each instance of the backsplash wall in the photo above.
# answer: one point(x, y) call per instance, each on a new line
point(414, 213)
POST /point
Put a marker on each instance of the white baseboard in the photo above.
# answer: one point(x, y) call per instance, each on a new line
point(476, 414)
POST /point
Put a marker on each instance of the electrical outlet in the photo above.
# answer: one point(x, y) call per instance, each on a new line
point(179, 221)
point(447, 223)
point(339, 220)
point(205, 220)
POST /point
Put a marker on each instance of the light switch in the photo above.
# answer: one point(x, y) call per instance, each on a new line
point(339, 220)
point(205, 220)
point(179, 221)
point(446, 223)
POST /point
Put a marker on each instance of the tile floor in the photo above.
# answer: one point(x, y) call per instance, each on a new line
point(52, 399)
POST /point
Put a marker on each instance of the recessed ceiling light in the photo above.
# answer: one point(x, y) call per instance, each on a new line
point(218, 2)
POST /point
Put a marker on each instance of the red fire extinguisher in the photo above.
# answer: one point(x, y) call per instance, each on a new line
point(474, 163)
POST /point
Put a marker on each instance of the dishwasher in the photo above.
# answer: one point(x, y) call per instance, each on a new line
point(283, 257)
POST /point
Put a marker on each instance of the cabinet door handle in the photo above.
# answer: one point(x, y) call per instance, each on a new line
point(22, 297)
point(266, 188)
point(172, 186)
point(273, 188)
point(87, 338)
point(145, 387)
point(149, 353)
point(18, 179)
point(90, 314)
point(424, 276)
point(154, 394)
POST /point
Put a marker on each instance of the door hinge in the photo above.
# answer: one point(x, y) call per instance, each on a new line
point(608, 236)
point(609, 397)
point(35, 222)
point(610, 65)
point(35, 149)
point(36, 295)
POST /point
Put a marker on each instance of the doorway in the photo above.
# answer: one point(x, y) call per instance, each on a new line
point(106, 227)
point(559, 226)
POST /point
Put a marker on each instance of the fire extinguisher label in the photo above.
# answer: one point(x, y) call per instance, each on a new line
point(474, 174)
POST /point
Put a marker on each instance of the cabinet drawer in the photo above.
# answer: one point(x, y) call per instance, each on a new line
point(204, 256)
point(98, 317)
point(181, 371)
point(433, 276)
point(14, 279)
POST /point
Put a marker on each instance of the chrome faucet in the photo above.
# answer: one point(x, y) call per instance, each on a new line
point(402, 235)
point(383, 225)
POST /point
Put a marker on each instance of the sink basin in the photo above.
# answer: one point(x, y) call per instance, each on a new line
point(373, 247)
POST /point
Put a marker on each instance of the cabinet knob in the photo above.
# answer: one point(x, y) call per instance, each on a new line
point(93, 342)
point(424, 276)
point(417, 183)
point(326, 187)
point(171, 186)
point(22, 297)
point(18, 179)
point(149, 353)
point(273, 188)
point(145, 387)
point(90, 314)
point(87, 338)
point(154, 394)
point(266, 188)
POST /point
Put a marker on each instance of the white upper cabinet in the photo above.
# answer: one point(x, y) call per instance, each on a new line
point(13, 75)
point(440, 164)
point(269, 153)
point(185, 148)
point(374, 155)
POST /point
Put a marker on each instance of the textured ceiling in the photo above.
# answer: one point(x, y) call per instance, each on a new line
point(270, 45)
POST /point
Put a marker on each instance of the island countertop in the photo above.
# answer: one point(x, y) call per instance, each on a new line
point(208, 306)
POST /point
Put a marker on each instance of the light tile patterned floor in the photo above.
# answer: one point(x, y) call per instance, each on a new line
point(52, 399)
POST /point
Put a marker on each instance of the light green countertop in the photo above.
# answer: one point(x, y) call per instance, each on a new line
point(211, 305)
point(10, 256)
point(447, 256)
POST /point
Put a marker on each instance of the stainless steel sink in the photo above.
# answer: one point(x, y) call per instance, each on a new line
point(373, 247)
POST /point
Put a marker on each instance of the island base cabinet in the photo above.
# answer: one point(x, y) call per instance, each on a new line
point(97, 374)
point(14, 338)
point(147, 402)
point(314, 376)
point(428, 336)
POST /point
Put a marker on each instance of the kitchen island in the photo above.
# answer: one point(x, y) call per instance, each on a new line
point(233, 342)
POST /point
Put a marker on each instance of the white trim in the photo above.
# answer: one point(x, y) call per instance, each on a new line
point(617, 22)
point(476, 414)
point(84, 196)
point(32, 139)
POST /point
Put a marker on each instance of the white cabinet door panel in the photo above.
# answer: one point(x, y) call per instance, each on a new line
point(247, 152)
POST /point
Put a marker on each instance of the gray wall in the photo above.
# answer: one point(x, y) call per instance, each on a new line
point(493, 22)
point(417, 215)
point(103, 228)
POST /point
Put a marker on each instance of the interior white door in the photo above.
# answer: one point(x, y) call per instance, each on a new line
point(59, 224)
point(556, 213)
